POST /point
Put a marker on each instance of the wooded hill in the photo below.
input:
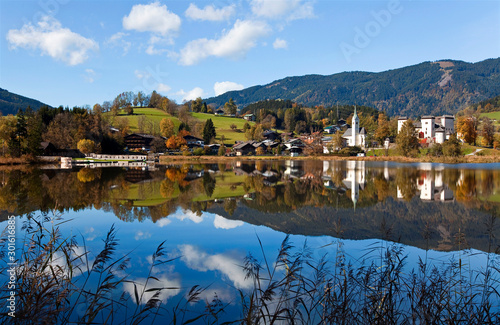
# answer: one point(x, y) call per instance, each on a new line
point(10, 103)
point(423, 89)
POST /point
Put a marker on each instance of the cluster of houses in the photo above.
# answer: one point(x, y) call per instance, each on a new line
point(432, 129)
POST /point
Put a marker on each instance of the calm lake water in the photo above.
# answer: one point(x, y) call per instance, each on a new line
point(211, 216)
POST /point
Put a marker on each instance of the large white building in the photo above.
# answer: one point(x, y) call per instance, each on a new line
point(437, 129)
point(355, 136)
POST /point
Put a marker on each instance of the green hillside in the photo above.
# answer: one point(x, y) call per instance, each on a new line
point(152, 115)
point(223, 126)
point(10, 103)
point(422, 89)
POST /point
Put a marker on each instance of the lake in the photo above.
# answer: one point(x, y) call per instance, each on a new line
point(310, 240)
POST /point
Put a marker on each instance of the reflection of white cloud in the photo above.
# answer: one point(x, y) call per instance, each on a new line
point(225, 86)
point(223, 294)
point(163, 222)
point(180, 215)
point(91, 235)
point(223, 223)
point(163, 283)
point(224, 263)
point(139, 235)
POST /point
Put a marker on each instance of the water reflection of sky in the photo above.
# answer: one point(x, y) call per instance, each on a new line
point(211, 249)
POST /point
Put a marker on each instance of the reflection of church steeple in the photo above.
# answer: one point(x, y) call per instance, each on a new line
point(355, 179)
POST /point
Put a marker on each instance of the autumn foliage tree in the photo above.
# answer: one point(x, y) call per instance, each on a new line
point(466, 127)
point(406, 141)
point(86, 146)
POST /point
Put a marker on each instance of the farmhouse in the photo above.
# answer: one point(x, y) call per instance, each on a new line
point(138, 141)
point(193, 142)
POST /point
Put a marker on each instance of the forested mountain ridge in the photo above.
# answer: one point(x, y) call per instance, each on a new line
point(10, 103)
point(427, 88)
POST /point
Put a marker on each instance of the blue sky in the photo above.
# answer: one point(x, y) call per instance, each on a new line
point(77, 52)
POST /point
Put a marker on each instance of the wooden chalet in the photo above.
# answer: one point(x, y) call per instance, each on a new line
point(138, 141)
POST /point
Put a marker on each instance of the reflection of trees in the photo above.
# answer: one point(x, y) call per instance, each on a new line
point(467, 187)
point(406, 183)
point(208, 184)
point(382, 186)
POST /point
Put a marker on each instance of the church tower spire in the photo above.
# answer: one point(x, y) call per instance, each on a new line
point(355, 128)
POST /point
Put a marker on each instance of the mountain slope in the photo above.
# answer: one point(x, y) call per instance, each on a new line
point(425, 88)
point(10, 103)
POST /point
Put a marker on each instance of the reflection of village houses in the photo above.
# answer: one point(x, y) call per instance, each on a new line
point(430, 185)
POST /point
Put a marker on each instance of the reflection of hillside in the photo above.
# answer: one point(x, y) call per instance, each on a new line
point(339, 198)
point(416, 223)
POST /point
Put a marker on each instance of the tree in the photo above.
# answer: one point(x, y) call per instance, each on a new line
point(129, 109)
point(158, 145)
point(230, 107)
point(406, 141)
point(7, 129)
point(383, 131)
point(86, 146)
point(167, 127)
point(452, 147)
point(337, 142)
point(141, 98)
point(258, 133)
point(183, 126)
point(233, 127)
point(466, 127)
point(197, 105)
point(155, 100)
point(487, 132)
point(222, 150)
point(208, 131)
point(246, 127)
point(259, 151)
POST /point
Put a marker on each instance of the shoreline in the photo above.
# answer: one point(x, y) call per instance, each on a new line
point(165, 160)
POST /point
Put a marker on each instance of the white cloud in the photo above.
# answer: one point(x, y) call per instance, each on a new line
point(223, 223)
point(210, 12)
point(290, 9)
point(90, 75)
point(153, 18)
point(52, 39)
point(162, 88)
point(156, 19)
point(234, 44)
point(117, 40)
point(198, 260)
point(280, 44)
point(187, 96)
point(225, 86)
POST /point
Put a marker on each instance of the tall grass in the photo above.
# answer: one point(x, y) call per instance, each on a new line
point(60, 283)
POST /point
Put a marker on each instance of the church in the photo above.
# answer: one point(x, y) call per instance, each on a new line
point(355, 136)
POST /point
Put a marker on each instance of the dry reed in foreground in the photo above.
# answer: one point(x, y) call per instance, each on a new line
point(58, 283)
